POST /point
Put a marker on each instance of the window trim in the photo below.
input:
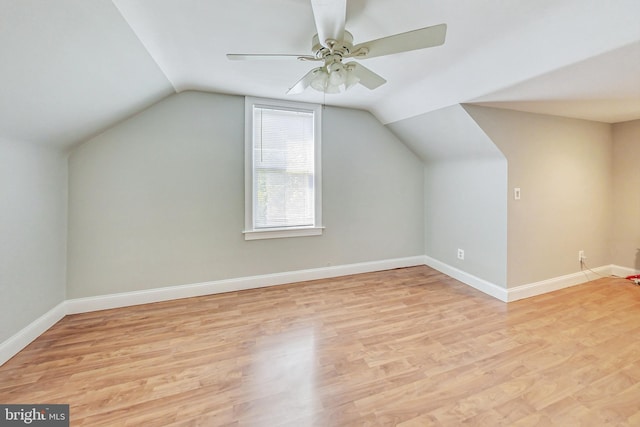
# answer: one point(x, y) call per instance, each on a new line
point(251, 233)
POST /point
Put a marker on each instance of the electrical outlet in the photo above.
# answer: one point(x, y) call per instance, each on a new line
point(581, 257)
point(460, 254)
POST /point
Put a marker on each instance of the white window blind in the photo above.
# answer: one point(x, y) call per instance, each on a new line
point(282, 169)
point(283, 161)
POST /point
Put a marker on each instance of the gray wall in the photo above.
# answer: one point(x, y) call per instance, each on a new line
point(33, 215)
point(465, 191)
point(626, 195)
point(466, 209)
point(158, 199)
point(564, 169)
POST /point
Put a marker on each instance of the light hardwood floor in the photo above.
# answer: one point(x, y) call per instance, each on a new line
point(408, 347)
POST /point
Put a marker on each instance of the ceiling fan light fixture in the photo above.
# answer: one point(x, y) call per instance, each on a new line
point(337, 74)
point(329, 81)
point(334, 89)
point(334, 78)
point(351, 80)
point(320, 81)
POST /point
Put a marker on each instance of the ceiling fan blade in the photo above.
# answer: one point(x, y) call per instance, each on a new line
point(303, 83)
point(403, 42)
point(330, 17)
point(367, 78)
point(268, 56)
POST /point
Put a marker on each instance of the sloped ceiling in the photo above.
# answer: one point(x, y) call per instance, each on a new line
point(446, 134)
point(603, 88)
point(71, 68)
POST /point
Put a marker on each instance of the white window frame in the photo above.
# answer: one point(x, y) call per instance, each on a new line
point(250, 232)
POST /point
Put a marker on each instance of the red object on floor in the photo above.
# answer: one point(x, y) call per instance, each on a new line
point(635, 279)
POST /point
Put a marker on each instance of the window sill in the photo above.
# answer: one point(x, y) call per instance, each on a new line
point(278, 233)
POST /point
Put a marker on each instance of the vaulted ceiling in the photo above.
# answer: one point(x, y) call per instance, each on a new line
point(72, 68)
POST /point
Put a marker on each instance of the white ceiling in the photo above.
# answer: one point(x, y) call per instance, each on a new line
point(464, 138)
point(603, 88)
point(71, 68)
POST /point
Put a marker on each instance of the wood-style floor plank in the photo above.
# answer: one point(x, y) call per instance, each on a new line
point(407, 347)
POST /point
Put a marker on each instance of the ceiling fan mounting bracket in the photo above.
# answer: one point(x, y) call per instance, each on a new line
point(361, 52)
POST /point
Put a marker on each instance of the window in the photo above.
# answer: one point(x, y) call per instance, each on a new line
point(282, 169)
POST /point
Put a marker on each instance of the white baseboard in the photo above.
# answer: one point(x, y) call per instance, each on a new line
point(103, 302)
point(530, 289)
point(556, 283)
point(475, 282)
point(24, 337)
point(20, 340)
point(619, 271)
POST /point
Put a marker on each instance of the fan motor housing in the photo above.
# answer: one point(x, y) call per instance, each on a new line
point(341, 48)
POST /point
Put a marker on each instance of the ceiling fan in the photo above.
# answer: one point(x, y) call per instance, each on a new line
point(332, 44)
